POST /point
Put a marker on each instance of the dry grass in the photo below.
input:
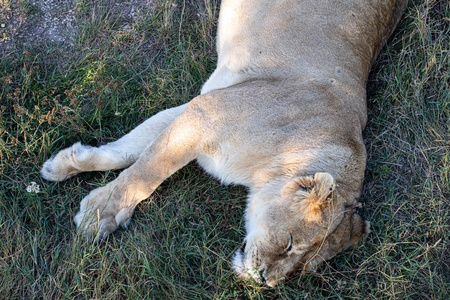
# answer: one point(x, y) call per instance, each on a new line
point(181, 239)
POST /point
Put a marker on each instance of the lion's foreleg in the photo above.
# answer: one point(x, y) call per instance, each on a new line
point(108, 207)
point(115, 155)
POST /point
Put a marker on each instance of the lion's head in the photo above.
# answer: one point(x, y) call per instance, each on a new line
point(297, 224)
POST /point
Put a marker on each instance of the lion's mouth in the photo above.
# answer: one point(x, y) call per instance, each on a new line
point(258, 274)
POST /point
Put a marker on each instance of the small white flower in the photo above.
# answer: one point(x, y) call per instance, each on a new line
point(33, 187)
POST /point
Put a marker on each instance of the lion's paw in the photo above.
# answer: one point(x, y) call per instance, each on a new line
point(66, 163)
point(101, 213)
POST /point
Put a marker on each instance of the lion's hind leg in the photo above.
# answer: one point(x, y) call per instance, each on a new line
point(116, 155)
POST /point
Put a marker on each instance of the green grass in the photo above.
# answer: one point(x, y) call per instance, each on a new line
point(181, 240)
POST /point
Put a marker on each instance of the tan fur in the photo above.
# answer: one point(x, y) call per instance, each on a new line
point(282, 114)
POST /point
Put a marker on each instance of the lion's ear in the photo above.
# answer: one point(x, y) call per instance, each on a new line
point(311, 194)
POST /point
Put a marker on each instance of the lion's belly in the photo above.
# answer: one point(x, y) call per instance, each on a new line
point(235, 164)
point(224, 170)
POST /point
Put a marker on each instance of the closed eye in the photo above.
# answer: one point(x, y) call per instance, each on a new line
point(289, 247)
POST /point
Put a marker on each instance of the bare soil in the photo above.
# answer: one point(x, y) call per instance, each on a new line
point(28, 22)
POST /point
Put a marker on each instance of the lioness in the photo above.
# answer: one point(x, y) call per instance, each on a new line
point(282, 114)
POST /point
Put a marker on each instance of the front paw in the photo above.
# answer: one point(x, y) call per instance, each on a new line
point(65, 164)
point(102, 212)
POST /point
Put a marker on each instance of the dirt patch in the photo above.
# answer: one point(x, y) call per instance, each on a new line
point(28, 22)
